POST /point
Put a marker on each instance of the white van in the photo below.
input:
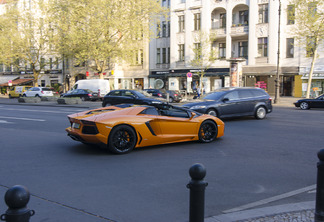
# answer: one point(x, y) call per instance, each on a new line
point(96, 85)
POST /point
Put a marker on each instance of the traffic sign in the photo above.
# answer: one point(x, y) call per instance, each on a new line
point(189, 74)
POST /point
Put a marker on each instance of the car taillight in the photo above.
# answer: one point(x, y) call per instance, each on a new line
point(175, 94)
point(89, 95)
point(159, 94)
point(42, 92)
point(86, 122)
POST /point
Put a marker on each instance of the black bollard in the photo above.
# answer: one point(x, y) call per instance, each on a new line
point(319, 209)
point(17, 198)
point(197, 187)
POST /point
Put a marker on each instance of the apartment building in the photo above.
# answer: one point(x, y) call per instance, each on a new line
point(248, 32)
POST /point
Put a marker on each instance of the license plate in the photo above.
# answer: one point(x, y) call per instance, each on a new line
point(76, 125)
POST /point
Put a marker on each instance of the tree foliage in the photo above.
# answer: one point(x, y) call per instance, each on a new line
point(308, 16)
point(103, 31)
point(25, 36)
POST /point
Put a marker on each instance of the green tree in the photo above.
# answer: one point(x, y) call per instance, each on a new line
point(25, 36)
point(308, 16)
point(203, 58)
point(104, 32)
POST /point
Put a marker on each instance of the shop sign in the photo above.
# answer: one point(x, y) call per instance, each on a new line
point(315, 76)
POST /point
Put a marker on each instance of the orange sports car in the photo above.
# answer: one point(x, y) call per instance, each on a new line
point(121, 129)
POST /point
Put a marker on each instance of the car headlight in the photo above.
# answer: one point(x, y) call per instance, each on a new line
point(198, 107)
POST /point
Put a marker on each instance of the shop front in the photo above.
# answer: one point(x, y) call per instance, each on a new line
point(317, 87)
point(187, 80)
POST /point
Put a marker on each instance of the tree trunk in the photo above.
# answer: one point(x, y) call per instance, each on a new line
point(311, 73)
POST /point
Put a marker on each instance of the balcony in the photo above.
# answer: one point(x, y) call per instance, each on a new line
point(239, 30)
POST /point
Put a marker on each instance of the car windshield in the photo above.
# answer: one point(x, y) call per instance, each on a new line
point(213, 95)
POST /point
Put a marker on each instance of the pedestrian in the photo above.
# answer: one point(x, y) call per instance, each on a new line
point(198, 91)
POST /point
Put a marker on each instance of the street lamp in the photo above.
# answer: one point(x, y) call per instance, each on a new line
point(277, 81)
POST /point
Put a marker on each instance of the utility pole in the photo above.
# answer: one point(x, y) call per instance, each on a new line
point(277, 81)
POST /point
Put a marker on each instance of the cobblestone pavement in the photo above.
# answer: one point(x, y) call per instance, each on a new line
point(297, 216)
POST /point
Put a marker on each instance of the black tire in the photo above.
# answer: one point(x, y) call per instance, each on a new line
point(24, 95)
point(122, 139)
point(37, 95)
point(10, 96)
point(212, 112)
point(170, 100)
point(83, 98)
point(207, 131)
point(304, 105)
point(260, 112)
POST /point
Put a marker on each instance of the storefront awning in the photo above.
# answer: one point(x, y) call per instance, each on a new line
point(18, 82)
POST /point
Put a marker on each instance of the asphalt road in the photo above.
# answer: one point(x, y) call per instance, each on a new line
point(69, 181)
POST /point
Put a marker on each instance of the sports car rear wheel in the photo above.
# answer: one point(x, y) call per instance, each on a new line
point(122, 139)
point(207, 131)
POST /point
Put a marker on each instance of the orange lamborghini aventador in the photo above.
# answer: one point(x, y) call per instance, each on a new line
point(121, 129)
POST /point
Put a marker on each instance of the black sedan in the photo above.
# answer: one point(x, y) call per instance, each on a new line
point(311, 103)
point(174, 96)
point(84, 94)
point(126, 96)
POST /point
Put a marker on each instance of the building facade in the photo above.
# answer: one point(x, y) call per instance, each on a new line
point(252, 30)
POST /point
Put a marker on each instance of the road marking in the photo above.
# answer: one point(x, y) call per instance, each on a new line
point(41, 111)
point(4, 121)
point(17, 118)
point(271, 199)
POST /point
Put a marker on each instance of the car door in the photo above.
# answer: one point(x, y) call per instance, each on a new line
point(246, 103)
point(318, 103)
point(114, 97)
point(176, 125)
point(229, 104)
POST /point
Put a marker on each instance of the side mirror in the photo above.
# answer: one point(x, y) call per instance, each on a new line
point(192, 115)
point(225, 100)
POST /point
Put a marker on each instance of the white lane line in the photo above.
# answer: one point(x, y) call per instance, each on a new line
point(271, 199)
point(17, 118)
point(4, 121)
point(41, 111)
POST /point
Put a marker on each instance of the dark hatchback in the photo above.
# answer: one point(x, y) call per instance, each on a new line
point(234, 102)
point(311, 103)
point(125, 96)
point(84, 94)
point(174, 96)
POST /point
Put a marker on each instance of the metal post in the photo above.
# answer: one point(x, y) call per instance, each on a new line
point(197, 187)
point(319, 209)
point(277, 81)
point(17, 198)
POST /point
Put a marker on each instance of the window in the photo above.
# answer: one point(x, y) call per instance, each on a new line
point(197, 51)
point(158, 30)
point(197, 21)
point(182, 1)
point(289, 48)
point(158, 56)
point(232, 96)
point(164, 55)
point(244, 17)
point(312, 8)
point(222, 20)
point(262, 47)
point(164, 29)
point(243, 49)
point(290, 14)
point(164, 3)
point(181, 52)
point(169, 55)
point(263, 13)
point(222, 50)
point(42, 63)
point(181, 22)
point(51, 63)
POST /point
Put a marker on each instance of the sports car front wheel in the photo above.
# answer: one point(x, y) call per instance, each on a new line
point(207, 131)
point(122, 139)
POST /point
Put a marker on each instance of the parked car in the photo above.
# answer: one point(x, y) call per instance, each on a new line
point(127, 96)
point(38, 91)
point(101, 86)
point(174, 96)
point(311, 103)
point(120, 130)
point(18, 91)
point(234, 102)
point(84, 94)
